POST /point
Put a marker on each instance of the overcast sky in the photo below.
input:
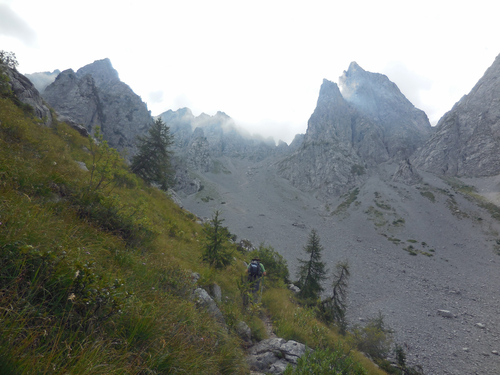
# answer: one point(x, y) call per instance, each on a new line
point(260, 62)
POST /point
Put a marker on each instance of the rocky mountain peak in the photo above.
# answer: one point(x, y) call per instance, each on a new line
point(365, 122)
point(95, 96)
point(101, 70)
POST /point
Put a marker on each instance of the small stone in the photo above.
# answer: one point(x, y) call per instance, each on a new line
point(445, 314)
point(495, 352)
point(480, 325)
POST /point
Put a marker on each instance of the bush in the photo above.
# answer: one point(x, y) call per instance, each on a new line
point(276, 266)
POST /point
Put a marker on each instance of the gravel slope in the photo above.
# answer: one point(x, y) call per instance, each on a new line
point(454, 267)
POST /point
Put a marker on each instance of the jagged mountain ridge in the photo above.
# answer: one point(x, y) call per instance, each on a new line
point(367, 123)
point(199, 141)
point(95, 96)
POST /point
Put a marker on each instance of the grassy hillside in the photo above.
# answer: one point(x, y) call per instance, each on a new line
point(96, 269)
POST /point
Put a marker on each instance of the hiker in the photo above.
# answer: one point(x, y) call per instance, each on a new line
point(255, 272)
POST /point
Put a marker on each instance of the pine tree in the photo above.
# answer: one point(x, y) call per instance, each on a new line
point(311, 273)
point(152, 162)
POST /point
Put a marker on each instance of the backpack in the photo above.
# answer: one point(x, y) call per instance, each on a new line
point(254, 269)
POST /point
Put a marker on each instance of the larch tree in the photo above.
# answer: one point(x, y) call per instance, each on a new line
point(334, 307)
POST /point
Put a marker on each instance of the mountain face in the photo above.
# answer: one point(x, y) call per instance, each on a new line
point(367, 123)
point(95, 96)
point(395, 126)
point(200, 141)
point(467, 138)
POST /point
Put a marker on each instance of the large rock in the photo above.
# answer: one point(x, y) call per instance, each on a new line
point(274, 355)
point(203, 299)
point(467, 138)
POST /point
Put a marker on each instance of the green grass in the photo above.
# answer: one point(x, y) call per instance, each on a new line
point(349, 198)
point(96, 279)
point(429, 195)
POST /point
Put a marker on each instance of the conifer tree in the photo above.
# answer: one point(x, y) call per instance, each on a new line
point(153, 161)
point(311, 273)
point(215, 251)
point(334, 307)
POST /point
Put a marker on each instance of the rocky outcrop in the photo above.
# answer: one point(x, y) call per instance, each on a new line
point(467, 138)
point(326, 162)
point(204, 301)
point(95, 96)
point(272, 356)
point(26, 92)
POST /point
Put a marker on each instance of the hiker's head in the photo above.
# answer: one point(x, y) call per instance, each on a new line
point(257, 259)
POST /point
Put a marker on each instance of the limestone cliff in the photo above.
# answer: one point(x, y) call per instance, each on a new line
point(367, 123)
point(467, 138)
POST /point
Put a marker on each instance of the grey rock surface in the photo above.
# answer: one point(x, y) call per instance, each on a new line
point(203, 299)
point(274, 355)
point(366, 123)
point(244, 332)
point(95, 96)
point(467, 138)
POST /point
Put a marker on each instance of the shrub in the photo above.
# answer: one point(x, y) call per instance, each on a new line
point(375, 339)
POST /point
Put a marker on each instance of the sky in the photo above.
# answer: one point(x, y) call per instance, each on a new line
point(260, 62)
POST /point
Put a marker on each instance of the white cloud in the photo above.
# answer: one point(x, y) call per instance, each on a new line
point(12, 25)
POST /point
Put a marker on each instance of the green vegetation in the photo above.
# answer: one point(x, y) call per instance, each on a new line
point(429, 195)
point(326, 362)
point(311, 272)
point(152, 161)
point(96, 268)
point(334, 308)
point(349, 199)
point(376, 216)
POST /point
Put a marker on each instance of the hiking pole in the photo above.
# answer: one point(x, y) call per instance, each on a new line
point(261, 287)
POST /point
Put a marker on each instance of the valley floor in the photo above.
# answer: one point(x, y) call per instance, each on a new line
point(413, 251)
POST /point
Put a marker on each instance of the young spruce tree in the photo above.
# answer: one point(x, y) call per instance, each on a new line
point(312, 272)
point(215, 252)
point(152, 162)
